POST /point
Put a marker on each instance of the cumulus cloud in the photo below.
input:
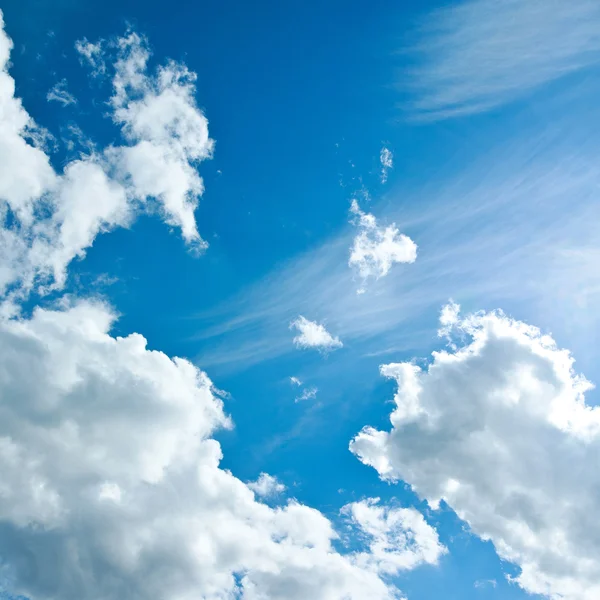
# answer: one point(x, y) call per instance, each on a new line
point(375, 249)
point(397, 539)
point(60, 93)
point(314, 335)
point(49, 218)
point(386, 158)
point(295, 381)
point(111, 480)
point(498, 428)
point(266, 486)
point(167, 132)
point(112, 487)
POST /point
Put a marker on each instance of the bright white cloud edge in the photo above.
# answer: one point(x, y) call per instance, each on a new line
point(44, 225)
point(376, 249)
point(266, 486)
point(111, 479)
point(498, 428)
point(314, 335)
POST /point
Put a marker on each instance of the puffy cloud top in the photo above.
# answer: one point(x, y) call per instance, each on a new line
point(314, 335)
point(375, 249)
point(498, 428)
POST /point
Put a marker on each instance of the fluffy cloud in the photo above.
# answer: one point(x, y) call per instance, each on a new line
point(386, 158)
point(499, 429)
point(266, 486)
point(49, 218)
point(111, 480)
point(397, 539)
point(376, 249)
point(167, 132)
point(112, 488)
point(314, 335)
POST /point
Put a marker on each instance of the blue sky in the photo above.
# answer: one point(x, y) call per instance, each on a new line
point(337, 188)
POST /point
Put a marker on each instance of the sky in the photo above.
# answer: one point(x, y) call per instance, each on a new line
point(299, 300)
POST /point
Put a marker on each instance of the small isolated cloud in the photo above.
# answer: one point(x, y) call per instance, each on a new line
point(398, 539)
point(307, 394)
point(59, 93)
point(386, 158)
point(484, 583)
point(376, 249)
point(449, 317)
point(91, 55)
point(266, 486)
point(295, 381)
point(314, 335)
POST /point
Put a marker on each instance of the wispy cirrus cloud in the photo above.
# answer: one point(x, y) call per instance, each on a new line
point(523, 236)
point(386, 158)
point(60, 93)
point(307, 394)
point(92, 55)
point(480, 54)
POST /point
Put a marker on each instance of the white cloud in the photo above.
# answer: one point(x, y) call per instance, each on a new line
point(449, 317)
point(375, 249)
point(295, 381)
point(386, 158)
point(397, 539)
point(60, 93)
point(48, 218)
point(168, 133)
point(499, 430)
point(25, 171)
point(480, 54)
point(266, 486)
point(111, 482)
point(307, 394)
point(314, 335)
point(111, 485)
point(92, 55)
point(483, 583)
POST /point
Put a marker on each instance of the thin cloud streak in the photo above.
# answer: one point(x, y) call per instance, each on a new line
point(480, 54)
point(522, 236)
